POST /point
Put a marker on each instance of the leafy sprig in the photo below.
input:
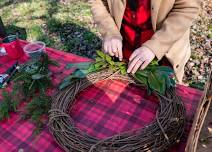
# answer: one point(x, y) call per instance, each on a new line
point(8, 105)
point(102, 61)
point(36, 111)
point(30, 84)
point(34, 76)
point(154, 77)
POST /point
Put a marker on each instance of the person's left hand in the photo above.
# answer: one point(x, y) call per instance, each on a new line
point(140, 58)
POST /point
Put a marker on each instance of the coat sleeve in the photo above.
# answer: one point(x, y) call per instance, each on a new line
point(103, 19)
point(174, 26)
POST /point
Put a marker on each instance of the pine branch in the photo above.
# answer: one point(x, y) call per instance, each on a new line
point(30, 83)
point(7, 105)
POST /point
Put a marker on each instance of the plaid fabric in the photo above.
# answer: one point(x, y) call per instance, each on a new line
point(102, 110)
point(136, 25)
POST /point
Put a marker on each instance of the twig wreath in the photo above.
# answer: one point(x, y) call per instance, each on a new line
point(162, 133)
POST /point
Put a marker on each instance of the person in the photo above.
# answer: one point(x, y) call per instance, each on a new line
point(141, 30)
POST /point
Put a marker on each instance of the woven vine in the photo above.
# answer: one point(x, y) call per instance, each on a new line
point(158, 136)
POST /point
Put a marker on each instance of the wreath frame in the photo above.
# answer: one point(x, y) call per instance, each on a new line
point(161, 134)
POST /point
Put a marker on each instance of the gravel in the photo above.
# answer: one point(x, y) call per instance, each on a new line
point(200, 63)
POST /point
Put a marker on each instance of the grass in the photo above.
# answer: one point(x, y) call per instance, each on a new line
point(62, 26)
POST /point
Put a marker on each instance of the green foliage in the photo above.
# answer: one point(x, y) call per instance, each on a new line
point(157, 78)
point(30, 84)
point(7, 105)
point(81, 65)
point(154, 62)
point(37, 109)
point(102, 61)
point(154, 77)
point(77, 74)
point(34, 76)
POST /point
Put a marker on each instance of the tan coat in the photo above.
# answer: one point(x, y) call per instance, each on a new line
point(171, 20)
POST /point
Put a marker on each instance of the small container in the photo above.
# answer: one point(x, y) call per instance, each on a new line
point(35, 49)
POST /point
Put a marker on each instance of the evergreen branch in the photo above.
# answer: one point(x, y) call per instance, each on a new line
point(31, 82)
point(7, 105)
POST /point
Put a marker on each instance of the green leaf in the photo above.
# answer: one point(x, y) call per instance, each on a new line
point(119, 64)
point(80, 74)
point(154, 62)
point(166, 72)
point(98, 59)
point(37, 76)
point(167, 81)
point(109, 60)
point(154, 83)
point(151, 68)
point(64, 84)
point(81, 65)
point(98, 65)
point(144, 73)
point(76, 74)
point(162, 80)
point(92, 68)
point(112, 67)
point(165, 69)
point(141, 79)
point(101, 54)
point(123, 70)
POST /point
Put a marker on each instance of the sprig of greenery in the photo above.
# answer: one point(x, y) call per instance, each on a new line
point(102, 61)
point(7, 105)
point(154, 77)
point(37, 109)
point(30, 84)
point(34, 76)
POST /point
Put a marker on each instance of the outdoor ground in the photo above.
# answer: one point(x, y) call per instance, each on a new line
point(205, 139)
point(67, 25)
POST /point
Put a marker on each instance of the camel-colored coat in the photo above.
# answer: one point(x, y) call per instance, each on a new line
point(171, 21)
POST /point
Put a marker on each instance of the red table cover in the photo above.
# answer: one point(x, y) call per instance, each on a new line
point(102, 110)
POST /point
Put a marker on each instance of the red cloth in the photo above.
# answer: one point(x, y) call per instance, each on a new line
point(102, 110)
point(136, 27)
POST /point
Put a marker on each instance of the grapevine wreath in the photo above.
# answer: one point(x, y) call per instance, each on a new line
point(163, 132)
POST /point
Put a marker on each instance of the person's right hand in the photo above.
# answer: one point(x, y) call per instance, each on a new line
point(113, 47)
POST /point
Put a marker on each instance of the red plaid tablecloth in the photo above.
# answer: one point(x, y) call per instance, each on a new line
point(102, 110)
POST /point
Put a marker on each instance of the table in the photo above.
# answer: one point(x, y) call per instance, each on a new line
point(102, 110)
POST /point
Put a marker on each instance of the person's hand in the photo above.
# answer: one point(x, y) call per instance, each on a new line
point(113, 47)
point(140, 58)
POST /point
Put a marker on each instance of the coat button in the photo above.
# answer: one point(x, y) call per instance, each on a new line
point(133, 16)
